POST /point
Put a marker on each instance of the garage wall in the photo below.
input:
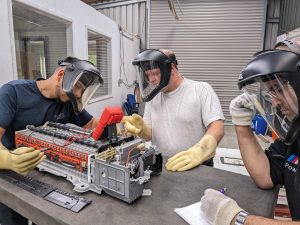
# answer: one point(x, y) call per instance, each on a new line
point(213, 39)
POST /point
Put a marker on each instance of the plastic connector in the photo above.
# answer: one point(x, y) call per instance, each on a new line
point(110, 115)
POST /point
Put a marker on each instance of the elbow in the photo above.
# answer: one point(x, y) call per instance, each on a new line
point(262, 176)
point(264, 186)
point(263, 183)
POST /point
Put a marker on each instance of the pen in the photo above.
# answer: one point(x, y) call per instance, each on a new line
point(222, 190)
point(42, 149)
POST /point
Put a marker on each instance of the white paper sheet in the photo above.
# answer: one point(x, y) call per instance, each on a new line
point(192, 214)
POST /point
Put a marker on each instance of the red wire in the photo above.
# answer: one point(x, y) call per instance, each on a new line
point(129, 152)
point(73, 138)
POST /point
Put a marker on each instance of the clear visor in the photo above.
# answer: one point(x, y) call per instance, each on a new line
point(84, 88)
point(276, 101)
point(149, 78)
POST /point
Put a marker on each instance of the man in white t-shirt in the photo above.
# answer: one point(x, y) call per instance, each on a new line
point(182, 117)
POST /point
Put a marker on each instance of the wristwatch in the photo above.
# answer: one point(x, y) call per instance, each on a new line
point(240, 218)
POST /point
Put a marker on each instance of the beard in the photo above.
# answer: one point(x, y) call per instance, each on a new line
point(61, 96)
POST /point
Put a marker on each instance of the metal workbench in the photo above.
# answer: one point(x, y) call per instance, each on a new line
point(169, 190)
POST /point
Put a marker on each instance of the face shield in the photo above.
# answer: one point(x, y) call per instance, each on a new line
point(276, 101)
point(80, 82)
point(154, 72)
point(149, 78)
point(274, 77)
point(83, 89)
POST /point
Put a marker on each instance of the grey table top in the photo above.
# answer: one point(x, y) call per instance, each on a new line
point(169, 190)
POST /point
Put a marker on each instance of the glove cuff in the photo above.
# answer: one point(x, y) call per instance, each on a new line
point(4, 159)
point(209, 140)
point(205, 148)
point(2, 147)
point(145, 133)
point(227, 212)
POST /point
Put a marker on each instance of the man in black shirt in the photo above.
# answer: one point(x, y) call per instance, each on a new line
point(271, 84)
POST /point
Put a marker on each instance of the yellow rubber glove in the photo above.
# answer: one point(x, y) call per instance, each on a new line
point(135, 125)
point(119, 131)
point(2, 147)
point(194, 156)
point(22, 160)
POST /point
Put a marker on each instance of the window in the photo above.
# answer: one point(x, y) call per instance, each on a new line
point(40, 40)
point(99, 53)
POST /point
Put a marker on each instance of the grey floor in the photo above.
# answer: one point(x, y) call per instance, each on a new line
point(230, 139)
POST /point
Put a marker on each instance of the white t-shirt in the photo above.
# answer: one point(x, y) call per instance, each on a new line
point(179, 119)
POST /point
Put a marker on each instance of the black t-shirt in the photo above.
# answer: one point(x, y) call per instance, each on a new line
point(22, 104)
point(284, 169)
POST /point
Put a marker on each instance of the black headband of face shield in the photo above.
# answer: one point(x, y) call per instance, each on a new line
point(70, 65)
point(153, 56)
point(83, 65)
point(172, 57)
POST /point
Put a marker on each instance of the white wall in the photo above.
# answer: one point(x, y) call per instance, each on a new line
point(82, 17)
point(131, 49)
point(8, 67)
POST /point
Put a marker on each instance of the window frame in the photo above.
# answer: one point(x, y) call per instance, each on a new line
point(109, 67)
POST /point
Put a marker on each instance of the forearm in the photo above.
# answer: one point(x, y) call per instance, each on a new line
point(216, 129)
point(255, 160)
point(91, 124)
point(258, 220)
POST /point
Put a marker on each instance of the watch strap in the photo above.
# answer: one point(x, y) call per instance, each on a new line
point(241, 218)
